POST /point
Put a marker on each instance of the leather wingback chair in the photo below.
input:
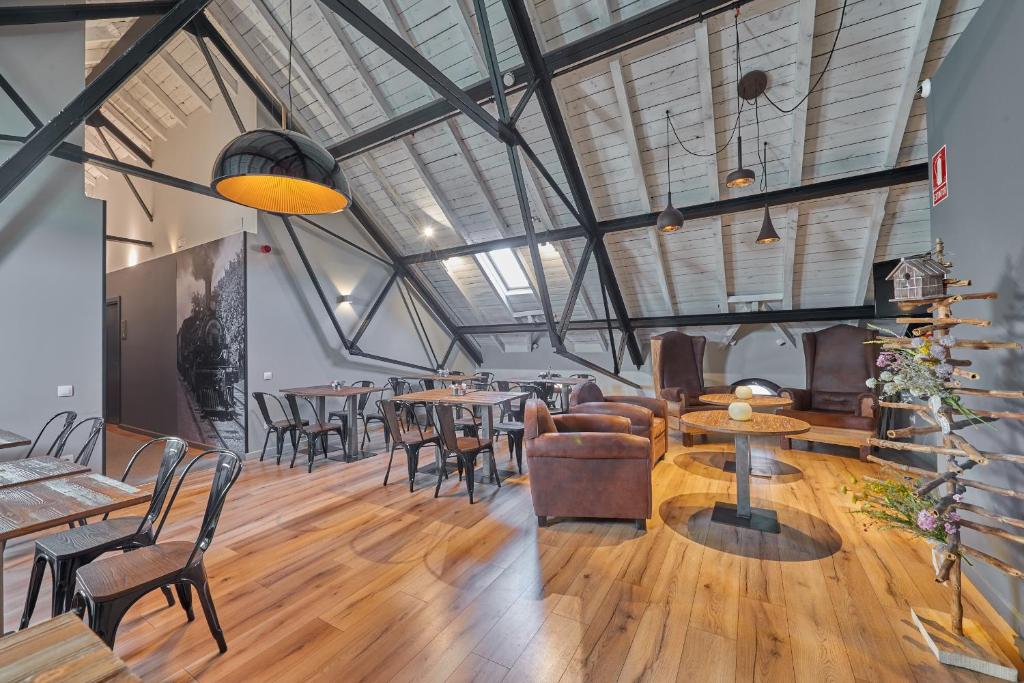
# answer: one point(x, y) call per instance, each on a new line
point(648, 417)
point(838, 362)
point(586, 466)
point(677, 362)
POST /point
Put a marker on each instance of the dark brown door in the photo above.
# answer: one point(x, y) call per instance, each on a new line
point(112, 361)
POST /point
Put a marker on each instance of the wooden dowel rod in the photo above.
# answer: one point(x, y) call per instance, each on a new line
point(999, 414)
point(950, 282)
point(991, 531)
point(945, 322)
point(982, 512)
point(997, 563)
point(998, 490)
point(904, 432)
point(979, 344)
point(965, 445)
point(915, 447)
point(966, 374)
point(994, 393)
point(1004, 457)
point(901, 467)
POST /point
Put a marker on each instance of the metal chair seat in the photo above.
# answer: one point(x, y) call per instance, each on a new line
point(118, 575)
point(85, 540)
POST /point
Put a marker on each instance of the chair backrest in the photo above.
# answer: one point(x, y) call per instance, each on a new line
point(226, 472)
point(175, 450)
point(482, 380)
point(502, 384)
point(680, 362)
point(838, 362)
point(392, 422)
point(261, 401)
point(517, 409)
point(537, 419)
point(588, 392)
point(362, 398)
point(296, 414)
point(69, 417)
point(399, 386)
point(446, 421)
point(84, 454)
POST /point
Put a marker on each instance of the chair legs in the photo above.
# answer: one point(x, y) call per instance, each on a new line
point(35, 581)
point(265, 440)
point(391, 459)
point(185, 598)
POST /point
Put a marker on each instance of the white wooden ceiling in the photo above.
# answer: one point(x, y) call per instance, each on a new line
point(454, 178)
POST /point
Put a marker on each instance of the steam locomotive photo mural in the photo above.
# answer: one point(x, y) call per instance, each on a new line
point(211, 343)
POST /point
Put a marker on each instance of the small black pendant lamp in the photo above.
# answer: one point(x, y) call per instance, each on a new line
point(767, 234)
point(671, 219)
point(280, 171)
point(741, 177)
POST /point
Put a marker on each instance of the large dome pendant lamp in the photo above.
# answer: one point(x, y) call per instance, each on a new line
point(767, 234)
point(671, 219)
point(280, 171)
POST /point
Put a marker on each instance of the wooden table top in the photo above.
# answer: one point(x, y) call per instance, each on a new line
point(55, 502)
point(439, 378)
point(328, 390)
point(60, 649)
point(760, 423)
point(755, 401)
point(470, 398)
point(26, 471)
point(12, 440)
point(550, 380)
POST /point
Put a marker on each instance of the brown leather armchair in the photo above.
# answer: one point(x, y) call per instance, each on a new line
point(838, 362)
point(677, 362)
point(648, 417)
point(586, 466)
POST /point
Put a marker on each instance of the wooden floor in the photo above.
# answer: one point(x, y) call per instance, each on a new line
point(333, 577)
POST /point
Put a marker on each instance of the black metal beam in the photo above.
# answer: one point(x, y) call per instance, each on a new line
point(342, 238)
point(215, 70)
point(138, 29)
point(519, 21)
point(798, 315)
point(434, 306)
point(51, 14)
point(128, 240)
point(374, 307)
point(790, 195)
point(384, 37)
point(127, 178)
point(574, 288)
point(597, 368)
point(46, 139)
point(21, 104)
point(316, 284)
point(98, 120)
point(637, 30)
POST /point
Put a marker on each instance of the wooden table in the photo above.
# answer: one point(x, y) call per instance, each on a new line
point(60, 649)
point(757, 402)
point(761, 424)
point(53, 503)
point(322, 392)
point(430, 378)
point(40, 468)
point(12, 440)
point(486, 400)
point(564, 383)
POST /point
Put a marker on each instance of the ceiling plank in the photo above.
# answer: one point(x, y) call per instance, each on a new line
point(127, 102)
point(707, 108)
point(912, 74)
point(471, 33)
point(162, 97)
point(622, 99)
point(201, 97)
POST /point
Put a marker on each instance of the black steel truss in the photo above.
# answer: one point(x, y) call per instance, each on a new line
point(49, 14)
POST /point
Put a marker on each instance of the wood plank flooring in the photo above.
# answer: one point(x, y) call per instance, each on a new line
point(331, 576)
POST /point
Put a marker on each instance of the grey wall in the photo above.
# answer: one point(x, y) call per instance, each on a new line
point(975, 110)
point(148, 373)
point(51, 246)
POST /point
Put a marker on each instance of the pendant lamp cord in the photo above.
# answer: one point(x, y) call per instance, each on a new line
point(291, 41)
point(668, 155)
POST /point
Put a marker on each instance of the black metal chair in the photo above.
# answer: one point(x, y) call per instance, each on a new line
point(511, 424)
point(279, 428)
point(362, 415)
point(317, 433)
point(411, 441)
point(108, 587)
point(69, 421)
point(465, 448)
point(84, 454)
point(66, 551)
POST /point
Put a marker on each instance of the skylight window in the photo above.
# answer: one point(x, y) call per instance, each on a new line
point(504, 271)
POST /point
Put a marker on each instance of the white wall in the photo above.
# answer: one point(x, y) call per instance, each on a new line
point(180, 219)
point(51, 246)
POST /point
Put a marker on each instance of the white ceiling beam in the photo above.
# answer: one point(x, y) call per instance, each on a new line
point(643, 194)
point(467, 161)
point(729, 338)
point(230, 82)
point(129, 105)
point(755, 298)
point(161, 96)
point(126, 125)
point(707, 108)
point(471, 34)
point(791, 230)
point(922, 38)
point(171, 63)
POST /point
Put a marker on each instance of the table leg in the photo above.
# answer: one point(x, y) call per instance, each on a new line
point(3, 547)
point(743, 476)
point(353, 431)
point(742, 514)
point(321, 409)
point(487, 423)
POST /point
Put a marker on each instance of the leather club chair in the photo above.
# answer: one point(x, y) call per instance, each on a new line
point(837, 362)
point(677, 363)
point(647, 416)
point(586, 466)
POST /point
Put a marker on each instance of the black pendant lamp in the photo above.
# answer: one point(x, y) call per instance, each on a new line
point(767, 234)
point(671, 219)
point(280, 171)
point(741, 177)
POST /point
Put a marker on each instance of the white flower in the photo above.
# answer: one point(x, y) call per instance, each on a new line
point(871, 382)
point(886, 376)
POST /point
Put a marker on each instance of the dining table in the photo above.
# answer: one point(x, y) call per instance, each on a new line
point(761, 463)
point(742, 514)
point(12, 440)
point(429, 378)
point(324, 391)
point(40, 505)
point(60, 649)
point(39, 468)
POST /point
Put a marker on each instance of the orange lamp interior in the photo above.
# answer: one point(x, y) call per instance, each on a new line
point(279, 194)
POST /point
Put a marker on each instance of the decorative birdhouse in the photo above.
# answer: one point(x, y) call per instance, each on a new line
point(920, 277)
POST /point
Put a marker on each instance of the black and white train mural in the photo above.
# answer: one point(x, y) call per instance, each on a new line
point(211, 343)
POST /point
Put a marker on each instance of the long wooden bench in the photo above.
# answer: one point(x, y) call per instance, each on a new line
point(837, 436)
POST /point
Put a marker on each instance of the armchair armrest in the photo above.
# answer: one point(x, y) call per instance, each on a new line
point(720, 389)
point(672, 393)
point(589, 446)
point(637, 415)
point(582, 422)
point(658, 406)
point(866, 403)
point(801, 398)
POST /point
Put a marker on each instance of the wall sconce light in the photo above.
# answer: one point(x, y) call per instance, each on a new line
point(344, 298)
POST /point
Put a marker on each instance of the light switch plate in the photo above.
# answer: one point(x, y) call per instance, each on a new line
point(268, 375)
point(65, 390)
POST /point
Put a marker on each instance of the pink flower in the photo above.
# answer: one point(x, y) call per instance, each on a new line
point(927, 519)
point(950, 528)
point(953, 517)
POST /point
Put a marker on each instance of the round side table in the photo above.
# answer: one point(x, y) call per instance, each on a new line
point(761, 424)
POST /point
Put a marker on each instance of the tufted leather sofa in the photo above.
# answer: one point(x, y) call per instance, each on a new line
point(647, 416)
